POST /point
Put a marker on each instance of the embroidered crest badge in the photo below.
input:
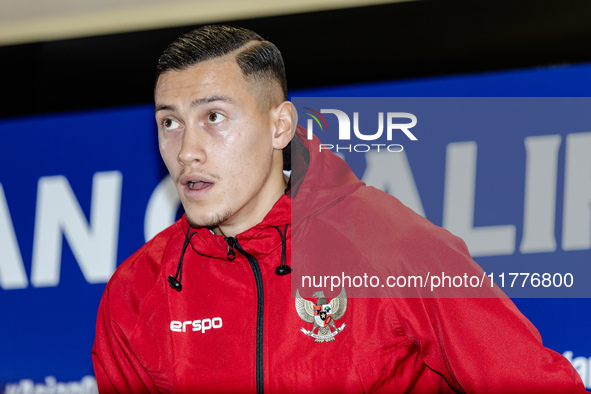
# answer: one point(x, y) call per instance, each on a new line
point(323, 314)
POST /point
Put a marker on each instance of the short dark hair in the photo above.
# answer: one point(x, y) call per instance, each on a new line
point(260, 58)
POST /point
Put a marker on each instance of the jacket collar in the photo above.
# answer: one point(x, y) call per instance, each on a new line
point(259, 240)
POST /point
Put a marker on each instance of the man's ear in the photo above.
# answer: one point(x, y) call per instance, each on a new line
point(286, 122)
point(294, 120)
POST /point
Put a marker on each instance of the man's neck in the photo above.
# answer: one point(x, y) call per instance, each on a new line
point(232, 227)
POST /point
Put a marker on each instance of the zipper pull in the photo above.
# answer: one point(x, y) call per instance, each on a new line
point(231, 242)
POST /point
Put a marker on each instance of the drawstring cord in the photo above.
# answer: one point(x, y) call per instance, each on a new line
point(174, 282)
point(283, 268)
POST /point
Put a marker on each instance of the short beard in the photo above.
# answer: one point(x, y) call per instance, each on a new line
point(214, 221)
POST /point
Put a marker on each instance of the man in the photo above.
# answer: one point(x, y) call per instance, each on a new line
point(207, 305)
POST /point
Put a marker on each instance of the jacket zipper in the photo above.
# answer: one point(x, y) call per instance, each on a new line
point(258, 278)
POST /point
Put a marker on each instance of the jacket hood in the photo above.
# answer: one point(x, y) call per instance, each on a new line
point(318, 179)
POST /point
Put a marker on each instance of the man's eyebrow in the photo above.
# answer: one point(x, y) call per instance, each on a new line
point(211, 99)
point(164, 107)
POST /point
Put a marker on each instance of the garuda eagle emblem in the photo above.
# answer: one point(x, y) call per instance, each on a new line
point(323, 314)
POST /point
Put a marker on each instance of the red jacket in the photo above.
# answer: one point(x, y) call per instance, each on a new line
point(236, 327)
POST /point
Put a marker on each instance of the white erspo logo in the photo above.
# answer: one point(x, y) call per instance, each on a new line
point(196, 325)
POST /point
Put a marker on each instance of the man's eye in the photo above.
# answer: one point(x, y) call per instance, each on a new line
point(214, 117)
point(170, 124)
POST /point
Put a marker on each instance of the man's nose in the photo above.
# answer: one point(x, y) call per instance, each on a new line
point(193, 147)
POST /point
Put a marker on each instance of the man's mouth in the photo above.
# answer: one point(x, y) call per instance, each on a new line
point(198, 185)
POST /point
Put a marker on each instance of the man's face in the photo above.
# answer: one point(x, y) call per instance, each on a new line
point(218, 144)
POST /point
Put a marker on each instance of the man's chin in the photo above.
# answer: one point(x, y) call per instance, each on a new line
point(209, 221)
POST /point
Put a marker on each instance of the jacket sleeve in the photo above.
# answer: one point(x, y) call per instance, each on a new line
point(116, 366)
point(485, 345)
